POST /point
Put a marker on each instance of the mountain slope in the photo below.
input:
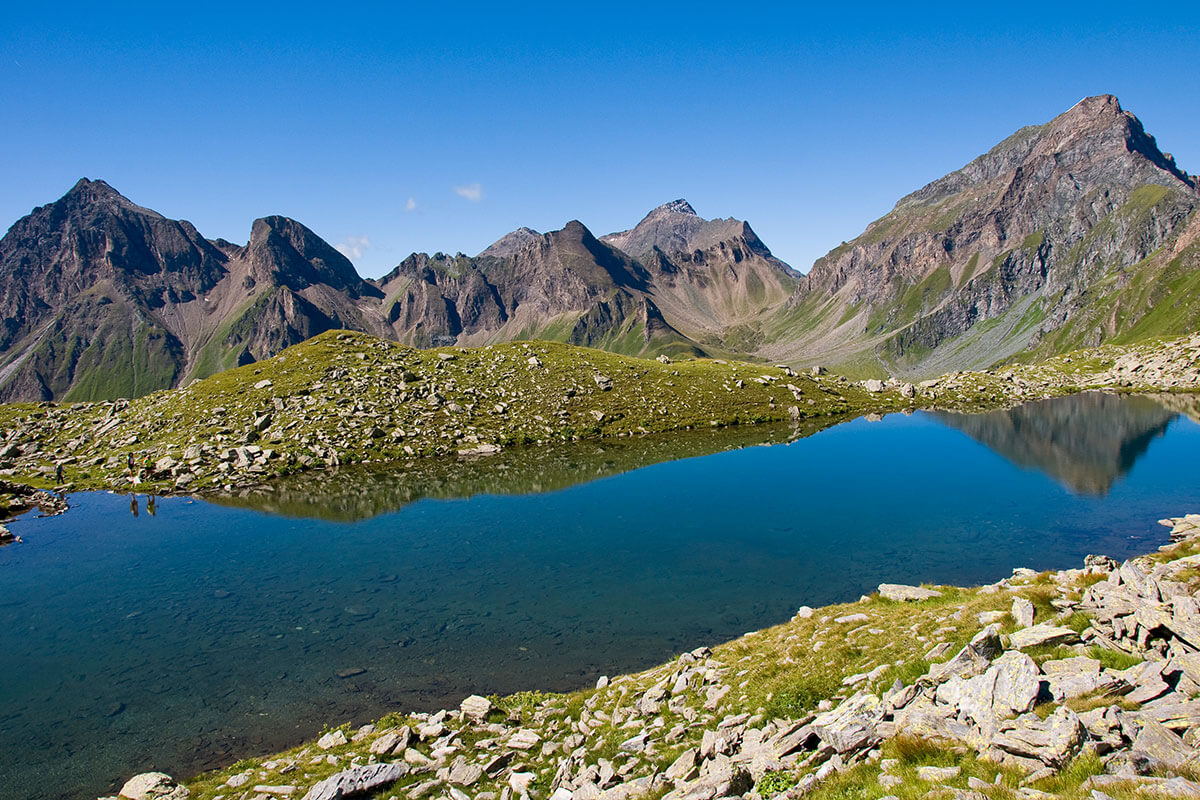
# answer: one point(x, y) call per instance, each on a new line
point(999, 257)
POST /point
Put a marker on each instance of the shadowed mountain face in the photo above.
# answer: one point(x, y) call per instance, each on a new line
point(1064, 235)
point(102, 298)
point(350, 494)
point(1085, 442)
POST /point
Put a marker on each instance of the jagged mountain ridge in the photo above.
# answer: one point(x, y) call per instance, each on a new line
point(104, 298)
point(565, 285)
point(999, 259)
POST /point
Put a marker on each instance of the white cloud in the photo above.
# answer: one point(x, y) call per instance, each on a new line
point(472, 191)
point(353, 247)
point(411, 205)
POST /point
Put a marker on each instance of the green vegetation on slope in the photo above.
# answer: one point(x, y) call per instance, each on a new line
point(351, 398)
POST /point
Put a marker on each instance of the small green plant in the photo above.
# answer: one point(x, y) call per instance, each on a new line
point(774, 783)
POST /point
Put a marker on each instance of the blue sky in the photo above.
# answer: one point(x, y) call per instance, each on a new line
point(394, 128)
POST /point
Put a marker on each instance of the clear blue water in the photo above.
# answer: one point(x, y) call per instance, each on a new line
point(212, 630)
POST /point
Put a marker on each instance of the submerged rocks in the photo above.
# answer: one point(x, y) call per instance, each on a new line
point(990, 698)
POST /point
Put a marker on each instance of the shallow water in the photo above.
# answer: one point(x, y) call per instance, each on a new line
point(212, 630)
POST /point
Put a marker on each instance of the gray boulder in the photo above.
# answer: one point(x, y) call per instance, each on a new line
point(1022, 611)
point(153, 786)
point(852, 725)
point(1042, 634)
point(357, 781)
point(475, 707)
point(1163, 748)
point(1009, 686)
point(1053, 741)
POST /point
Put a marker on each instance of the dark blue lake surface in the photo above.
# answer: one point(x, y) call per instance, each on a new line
point(213, 630)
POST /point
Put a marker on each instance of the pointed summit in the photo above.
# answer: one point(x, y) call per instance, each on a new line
point(679, 206)
point(85, 187)
point(511, 243)
point(291, 254)
point(1054, 221)
point(675, 227)
point(96, 195)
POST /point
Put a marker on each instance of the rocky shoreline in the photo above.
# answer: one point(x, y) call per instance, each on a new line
point(1076, 683)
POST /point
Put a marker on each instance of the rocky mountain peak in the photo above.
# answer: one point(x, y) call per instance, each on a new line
point(96, 196)
point(1095, 141)
point(679, 206)
point(1097, 121)
point(296, 257)
point(511, 243)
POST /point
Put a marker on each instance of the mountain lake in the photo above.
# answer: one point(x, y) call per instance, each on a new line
point(182, 634)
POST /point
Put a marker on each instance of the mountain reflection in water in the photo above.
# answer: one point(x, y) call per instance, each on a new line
point(350, 494)
point(1086, 442)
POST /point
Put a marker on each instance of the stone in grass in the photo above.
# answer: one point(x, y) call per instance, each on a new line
point(903, 593)
point(463, 773)
point(937, 774)
point(635, 744)
point(523, 740)
point(392, 742)
point(153, 786)
point(331, 740)
point(852, 724)
point(1163, 747)
point(1022, 611)
point(475, 707)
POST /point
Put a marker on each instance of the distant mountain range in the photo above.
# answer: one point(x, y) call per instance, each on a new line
point(1065, 234)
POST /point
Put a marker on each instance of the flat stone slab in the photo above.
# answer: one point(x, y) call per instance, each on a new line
point(903, 593)
point(1042, 634)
